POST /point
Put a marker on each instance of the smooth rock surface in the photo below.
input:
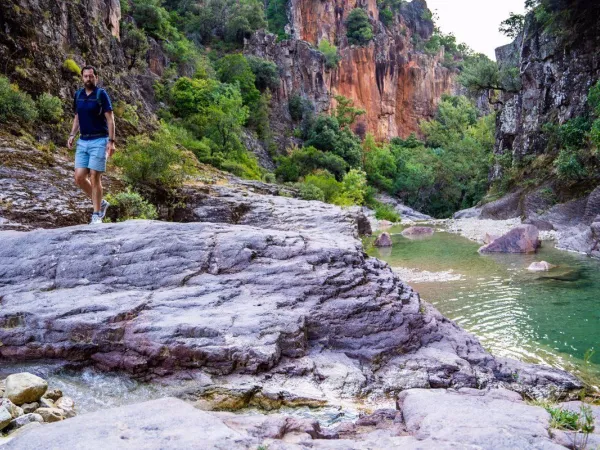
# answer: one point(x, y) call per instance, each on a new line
point(497, 419)
point(412, 232)
point(383, 240)
point(522, 239)
point(24, 420)
point(50, 414)
point(5, 417)
point(540, 266)
point(24, 387)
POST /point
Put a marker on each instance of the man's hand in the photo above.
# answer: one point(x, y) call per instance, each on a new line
point(70, 141)
point(110, 149)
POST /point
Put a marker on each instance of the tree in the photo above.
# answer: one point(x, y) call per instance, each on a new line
point(327, 135)
point(265, 72)
point(345, 113)
point(358, 27)
point(513, 26)
point(481, 74)
point(234, 69)
point(330, 53)
point(135, 45)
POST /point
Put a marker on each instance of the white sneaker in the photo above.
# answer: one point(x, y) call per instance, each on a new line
point(96, 219)
point(103, 207)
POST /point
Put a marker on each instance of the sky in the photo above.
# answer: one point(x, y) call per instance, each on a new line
point(476, 22)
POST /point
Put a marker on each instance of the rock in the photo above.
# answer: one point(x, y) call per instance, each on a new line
point(383, 240)
point(487, 419)
point(67, 405)
point(573, 440)
point(403, 211)
point(5, 417)
point(540, 266)
point(522, 239)
point(384, 224)
point(53, 394)
point(542, 225)
point(13, 409)
point(25, 388)
point(412, 232)
point(158, 424)
point(507, 207)
point(51, 414)
point(29, 407)
point(489, 238)
point(46, 403)
point(471, 213)
point(23, 420)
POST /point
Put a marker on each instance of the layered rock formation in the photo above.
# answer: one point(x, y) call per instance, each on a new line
point(396, 84)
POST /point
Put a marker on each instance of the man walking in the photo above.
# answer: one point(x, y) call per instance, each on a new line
point(95, 120)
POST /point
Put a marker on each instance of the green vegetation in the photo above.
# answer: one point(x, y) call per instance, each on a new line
point(265, 72)
point(277, 17)
point(71, 66)
point(50, 108)
point(481, 74)
point(14, 104)
point(330, 53)
point(135, 45)
point(358, 27)
point(513, 26)
point(130, 205)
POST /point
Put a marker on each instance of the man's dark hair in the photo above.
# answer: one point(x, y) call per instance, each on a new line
point(92, 68)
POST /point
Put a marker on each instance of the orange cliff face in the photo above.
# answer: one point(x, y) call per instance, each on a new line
point(396, 85)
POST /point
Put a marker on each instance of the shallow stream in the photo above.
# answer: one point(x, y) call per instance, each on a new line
point(549, 317)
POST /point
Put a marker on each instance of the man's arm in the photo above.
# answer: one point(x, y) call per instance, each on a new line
point(110, 120)
point(74, 130)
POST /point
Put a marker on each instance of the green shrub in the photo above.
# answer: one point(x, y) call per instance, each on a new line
point(358, 28)
point(277, 17)
point(154, 162)
point(306, 160)
point(269, 178)
point(573, 133)
point(387, 17)
point(568, 166)
point(355, 186)
point(50, 108)
point(130, 205)
point(326, 183)
point(386, 212)
point(235, 68)
point(14, 104)
point(135, 45)
point(71, 66)
point(266, 73)
point(326, 135)
point(246, 17)
point(127, 112)
point(310, 191)
point(594, 98)
point(297, 107)
point(153, 18)
point(330, 53)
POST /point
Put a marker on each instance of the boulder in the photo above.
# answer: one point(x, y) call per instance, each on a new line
point(540, 266)
point(5, 417)
point(417, 232)
point(53, 394)
point(24, 388)
point(67, 405)
point(51, 414)
point(13, 409)
point(383, 240)
point(46, 403)
point(542, 225)
point(24, 420)
point(522, 239)
point(29, 407)
point(489, 238)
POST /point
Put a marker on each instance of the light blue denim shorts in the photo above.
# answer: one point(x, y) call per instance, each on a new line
point(91, 154)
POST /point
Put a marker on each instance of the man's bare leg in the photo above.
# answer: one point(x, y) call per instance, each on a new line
point(81, 180)
point(96, 184)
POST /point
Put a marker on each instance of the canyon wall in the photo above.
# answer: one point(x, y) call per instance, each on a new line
point(394, 82)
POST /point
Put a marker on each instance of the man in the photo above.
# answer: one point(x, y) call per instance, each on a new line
point(94, 118)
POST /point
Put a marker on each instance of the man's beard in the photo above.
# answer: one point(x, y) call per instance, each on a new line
point(90, 84)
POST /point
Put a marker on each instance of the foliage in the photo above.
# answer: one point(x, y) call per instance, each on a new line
point(71, 66)
point(265, 72)
point(384, 211)
point(246, 17)
point(277, 17)
point(135, 45)
point(309, 191)
point(298, 106)
point(326, 134)
point(49, 107)
point(14, 104)
point(154, 162)
point(355, 186)
point(386, 16)
point(234, 69)
point(481, 73)
point(326, 183)
point(127, 112)
point(568, 165)
point(358, 27)
point(330, 53)
point(153, 18)
point(130, 205)
point(345, 113)
point(308, 159)
point(513, 26)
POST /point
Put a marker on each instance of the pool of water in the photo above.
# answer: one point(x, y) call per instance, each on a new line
point(550, 317)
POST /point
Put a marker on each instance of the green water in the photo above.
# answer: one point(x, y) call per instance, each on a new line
point(550, 317)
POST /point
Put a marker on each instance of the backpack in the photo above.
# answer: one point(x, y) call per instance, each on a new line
point(98, 99)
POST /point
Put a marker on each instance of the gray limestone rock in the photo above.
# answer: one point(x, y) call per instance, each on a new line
point(521, 239)
point(24, 388)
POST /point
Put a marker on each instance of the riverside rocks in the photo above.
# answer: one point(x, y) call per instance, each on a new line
point(540, 266)
point(522, 239)
point(24, 388)
point(383, 240)
point(417, 232)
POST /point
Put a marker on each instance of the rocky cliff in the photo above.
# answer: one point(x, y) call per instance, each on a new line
point(394, 82)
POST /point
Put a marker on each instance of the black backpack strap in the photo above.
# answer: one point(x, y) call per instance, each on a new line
point(99, 100)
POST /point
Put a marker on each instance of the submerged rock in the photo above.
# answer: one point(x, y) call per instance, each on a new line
point(413, 232)
point(522, 239)
point(383, 240)
point(540, 266)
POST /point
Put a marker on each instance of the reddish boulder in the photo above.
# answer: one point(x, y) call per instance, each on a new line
point(522, 239)
point(383, 240)
point(417, 232)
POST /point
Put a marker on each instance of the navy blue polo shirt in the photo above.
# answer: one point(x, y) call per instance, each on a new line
point(92, 122)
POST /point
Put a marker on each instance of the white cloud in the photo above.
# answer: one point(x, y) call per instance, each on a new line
point(476, 22)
